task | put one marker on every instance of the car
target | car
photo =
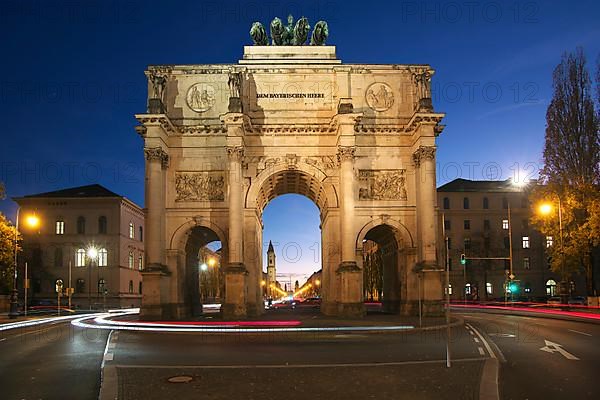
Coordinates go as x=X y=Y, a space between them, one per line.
x=577 y=301
x=554 y=300
x=284 y=304
x=312 y=302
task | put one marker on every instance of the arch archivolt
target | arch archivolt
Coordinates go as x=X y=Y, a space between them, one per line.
x=300 y=178
x=182 y=232
x=403 y=235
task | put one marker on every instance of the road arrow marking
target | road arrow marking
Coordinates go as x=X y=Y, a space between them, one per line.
x=552 y=347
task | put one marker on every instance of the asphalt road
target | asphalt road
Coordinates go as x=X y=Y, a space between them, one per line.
x=540 y=358
x=52 y=361
x=567 y=367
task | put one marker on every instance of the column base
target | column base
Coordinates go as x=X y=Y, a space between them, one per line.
x=255 y=310
x=430 y=308
x=351 y=310
x=329 y=308
x=235 y=291
x=164 y=312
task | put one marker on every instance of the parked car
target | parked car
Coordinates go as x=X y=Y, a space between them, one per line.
x=554 y=300
x=578 y=301
x=312 y=302
x=285 y=304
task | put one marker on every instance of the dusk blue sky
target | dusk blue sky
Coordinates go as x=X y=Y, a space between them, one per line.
x=72 y=79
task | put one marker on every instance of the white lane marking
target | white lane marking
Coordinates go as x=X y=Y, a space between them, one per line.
x=476 y=340
x=485 y=343
x=107 y=356
x=481 y=350
x=552 y=347
x=505 y=335
x=349 y=336
x=280 y=366
x=582 y=333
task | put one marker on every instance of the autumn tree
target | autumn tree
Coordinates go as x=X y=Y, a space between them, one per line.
x=7 y=248
x=570 y=176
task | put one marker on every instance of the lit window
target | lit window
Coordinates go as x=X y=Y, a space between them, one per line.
x=102 y=258
x=526 y=263
x=131 y=231
x=504 y=224
x=468 y=288
x=140 y=262
x=549 y=241
x=550 y=287
x=80 y=258
x=525 y=242
x=449 y=290
x=488 y=288
x=130 y=260
x=60 y=227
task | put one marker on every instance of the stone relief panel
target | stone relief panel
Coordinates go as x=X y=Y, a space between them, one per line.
x=379 y=96
x=200 y=186
x=324 y=163
x=201 y=97
x=382 y=184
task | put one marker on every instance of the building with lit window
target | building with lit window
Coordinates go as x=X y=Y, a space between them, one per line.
x=477 y=223
x=91 y=234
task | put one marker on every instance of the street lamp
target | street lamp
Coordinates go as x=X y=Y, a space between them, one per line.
x=92 y=254
x=32 y=221
x=546 y=209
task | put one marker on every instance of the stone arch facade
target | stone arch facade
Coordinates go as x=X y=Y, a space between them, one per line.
x=357 y=139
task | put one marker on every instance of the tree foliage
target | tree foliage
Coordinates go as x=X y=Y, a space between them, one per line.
x=571 y=172
x=7 y=248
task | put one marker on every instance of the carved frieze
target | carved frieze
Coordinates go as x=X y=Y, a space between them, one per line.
x=424 y=153
x=200 y=186
x=382 y=184
x=324 y=163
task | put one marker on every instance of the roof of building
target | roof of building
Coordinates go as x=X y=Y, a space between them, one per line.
x=466 y=185
x=95 y=190
x=270 y=250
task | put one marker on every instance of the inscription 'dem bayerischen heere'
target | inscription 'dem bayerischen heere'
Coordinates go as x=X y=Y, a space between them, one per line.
x=290 y=95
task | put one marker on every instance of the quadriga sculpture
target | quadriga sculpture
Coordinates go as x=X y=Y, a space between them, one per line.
x=258 y=34
x=319 y=34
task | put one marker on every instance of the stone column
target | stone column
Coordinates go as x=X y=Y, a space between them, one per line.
x=350 y=291
x=424 y=159
x=235 y=272
x=155 y=274
x=156 y=161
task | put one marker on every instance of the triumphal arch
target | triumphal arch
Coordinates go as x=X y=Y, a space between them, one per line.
x=222 y=140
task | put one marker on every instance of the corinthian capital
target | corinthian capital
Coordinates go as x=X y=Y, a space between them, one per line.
x=346 y=153
x=235 y=153
x=157 y=154
x=424 y=153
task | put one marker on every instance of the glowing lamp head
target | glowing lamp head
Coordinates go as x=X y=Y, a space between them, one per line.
x=212 y=262
x=546 y=208
x=263 y=283
x=317 y=282
x=92 y=252
x=203 y=266
x=32 y=221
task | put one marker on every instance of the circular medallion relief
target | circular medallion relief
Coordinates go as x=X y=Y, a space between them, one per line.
x=200 y=97
x=379 y=96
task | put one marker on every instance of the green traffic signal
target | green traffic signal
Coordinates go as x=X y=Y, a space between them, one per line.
x=463 y=259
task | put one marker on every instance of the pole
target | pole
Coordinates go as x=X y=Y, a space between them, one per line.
x=70 y=287
x=26 y=286
x=447 y=262
x=420 y=306
x=14 y=296
x=510 y=252
x=90 y=283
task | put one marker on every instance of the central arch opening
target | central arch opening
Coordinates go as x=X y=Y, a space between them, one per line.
x=291 y=205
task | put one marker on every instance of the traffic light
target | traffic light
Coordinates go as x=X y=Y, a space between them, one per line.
x=463 y=259
x=513 y=287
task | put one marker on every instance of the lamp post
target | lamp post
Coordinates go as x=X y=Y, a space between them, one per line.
x=92 y=254
x=32 y=221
